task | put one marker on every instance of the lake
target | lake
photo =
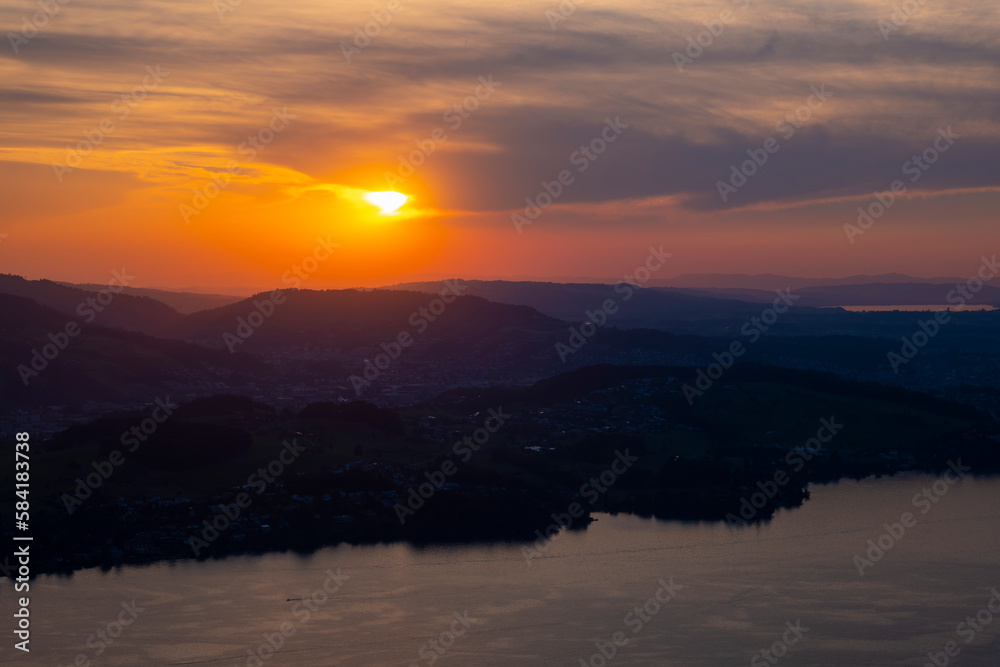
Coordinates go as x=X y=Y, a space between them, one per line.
x=791 y=587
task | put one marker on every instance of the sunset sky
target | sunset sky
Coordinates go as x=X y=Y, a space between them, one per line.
x=171 y=93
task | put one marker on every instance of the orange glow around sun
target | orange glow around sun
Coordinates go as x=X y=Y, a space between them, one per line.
x=223 y=176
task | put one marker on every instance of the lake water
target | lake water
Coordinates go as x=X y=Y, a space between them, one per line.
x=734 y=592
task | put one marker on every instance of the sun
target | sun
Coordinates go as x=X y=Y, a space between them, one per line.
x=387 y=201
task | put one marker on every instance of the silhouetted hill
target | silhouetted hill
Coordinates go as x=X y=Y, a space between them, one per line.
x=868 y=294
x=578 y=383
x=355 y=412
x=684 y=461
x=354 y=318
x=225 y=405
x=132 y=313
x=637 y=307
x=183 y=302
x=769 y=282
x=99 y=363
x=176 y=445
x=875 y=294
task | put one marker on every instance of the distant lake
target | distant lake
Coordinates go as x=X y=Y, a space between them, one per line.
x=861 y=309
x=739 y=588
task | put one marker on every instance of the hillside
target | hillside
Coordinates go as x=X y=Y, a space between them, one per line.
x=98 y=364
x=123 y=310
x=637 y=307
x=183 y=302
x=355 y=318
x=770 y=282
x=866 y=294
x=359 y=463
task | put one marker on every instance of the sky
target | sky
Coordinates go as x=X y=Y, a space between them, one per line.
x=219 y=143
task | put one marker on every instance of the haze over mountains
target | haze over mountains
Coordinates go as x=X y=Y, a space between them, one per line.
x=193 y=299
x=558 y=299
x=500 y=331
x=564 y=300
x=864 y=294
x=770 y=281
x=485 y=309
x=180 y=300
x=636 y=307
x=349 y=318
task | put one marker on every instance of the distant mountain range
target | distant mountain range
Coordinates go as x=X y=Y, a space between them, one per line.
x=99 y=363
x=181 y=301
x=481 y=310
x=771 y=282
x=351 y=318
x=633 y=306
x=866 y=294
x=122 y=310
x=141 y=308
x=493 y=332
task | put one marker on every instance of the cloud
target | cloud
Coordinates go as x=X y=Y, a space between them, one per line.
x=605 y=59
